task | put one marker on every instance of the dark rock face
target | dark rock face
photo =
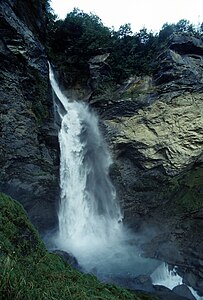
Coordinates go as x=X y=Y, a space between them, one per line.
x=181 y=65
x=29 y=146
x=165 y=294
x=187 y=45
x=184 y=291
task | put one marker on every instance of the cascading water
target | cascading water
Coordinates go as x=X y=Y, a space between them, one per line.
x=164 y=276
x=90 y=224
x=170 y=278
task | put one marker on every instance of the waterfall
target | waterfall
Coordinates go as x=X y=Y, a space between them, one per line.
x=164 y=276
x=90 y=219
x=170 y=278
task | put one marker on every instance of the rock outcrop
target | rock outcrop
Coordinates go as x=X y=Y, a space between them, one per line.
x=28 y=138
x=154 y=126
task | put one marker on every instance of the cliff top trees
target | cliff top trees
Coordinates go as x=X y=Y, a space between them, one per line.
x=81 y=36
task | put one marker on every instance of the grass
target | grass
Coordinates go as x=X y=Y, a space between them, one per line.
x=28 y=271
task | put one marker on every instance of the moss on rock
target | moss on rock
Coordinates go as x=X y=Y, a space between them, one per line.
x=28 y=271
x=190 y=197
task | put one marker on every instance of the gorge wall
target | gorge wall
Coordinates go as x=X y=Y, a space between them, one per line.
x=29 y=146
x=153 y=125
x=155 y=131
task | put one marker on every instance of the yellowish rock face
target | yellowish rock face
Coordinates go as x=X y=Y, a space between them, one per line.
x=166 y=133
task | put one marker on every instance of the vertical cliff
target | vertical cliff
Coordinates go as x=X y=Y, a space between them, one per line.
x=154 y=127
x=28 y=138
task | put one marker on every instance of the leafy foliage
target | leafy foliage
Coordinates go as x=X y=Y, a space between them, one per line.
x=81 y=36
x=131 y=54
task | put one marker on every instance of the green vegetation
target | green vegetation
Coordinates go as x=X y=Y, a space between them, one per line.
x=80 y=36
x=190 y=198
x=28 y=271
x=184 y=192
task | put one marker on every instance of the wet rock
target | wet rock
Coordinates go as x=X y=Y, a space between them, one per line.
x=184 y=291
x=164 y=293
x=144 y=282
x=192 y=278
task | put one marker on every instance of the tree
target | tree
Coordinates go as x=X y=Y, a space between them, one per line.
x=184 y=26
x=80 y=34
x=124 y=30
x=166 y=30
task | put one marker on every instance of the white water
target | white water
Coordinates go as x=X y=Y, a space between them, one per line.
x=195 y=294
x=163 y=276
x=90 y=220
x=170 y=278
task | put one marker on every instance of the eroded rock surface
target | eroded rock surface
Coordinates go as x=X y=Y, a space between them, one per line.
x=28 y=138
x=154 y=126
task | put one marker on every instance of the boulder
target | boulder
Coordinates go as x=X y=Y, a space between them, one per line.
x=164 y=293
x=143 y=282
x=184 y=291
